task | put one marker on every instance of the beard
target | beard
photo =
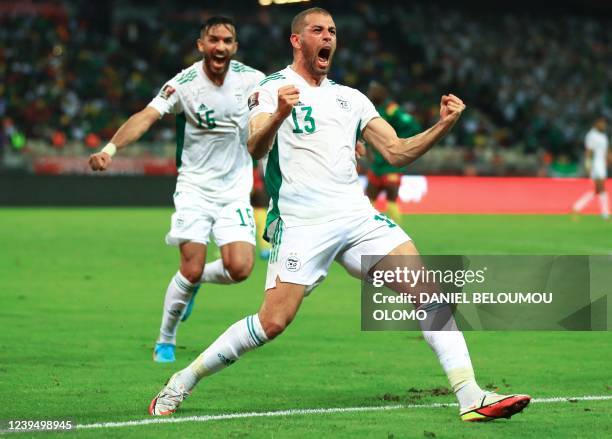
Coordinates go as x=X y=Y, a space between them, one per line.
x=318 y=65
x=215 y=67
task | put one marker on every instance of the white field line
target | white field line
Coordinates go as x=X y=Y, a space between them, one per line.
x=319 y=411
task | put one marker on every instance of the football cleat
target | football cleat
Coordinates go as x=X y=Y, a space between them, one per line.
x=189 y=307
x=169 y=399
x=493 y=406
x=164 y=353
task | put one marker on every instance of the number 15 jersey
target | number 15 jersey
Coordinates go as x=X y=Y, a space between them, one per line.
x=310 y=172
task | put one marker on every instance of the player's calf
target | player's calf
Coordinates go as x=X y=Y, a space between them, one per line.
x=280 y=306
x=178 y=295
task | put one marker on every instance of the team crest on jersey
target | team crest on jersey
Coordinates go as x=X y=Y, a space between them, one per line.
x=343 y=103
x=166 y=91
x=253 y=100
x=292 y=263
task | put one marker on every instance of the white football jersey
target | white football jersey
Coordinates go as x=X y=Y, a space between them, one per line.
x=597 y=142
x=310 y=172
x=211 y=130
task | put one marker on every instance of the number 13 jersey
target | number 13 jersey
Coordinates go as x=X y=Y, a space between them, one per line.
x=310 y=172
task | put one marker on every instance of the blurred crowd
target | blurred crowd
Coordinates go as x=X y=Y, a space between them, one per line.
x=72 y=72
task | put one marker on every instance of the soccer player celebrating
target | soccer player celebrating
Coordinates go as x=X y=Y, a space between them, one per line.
x=596 y=162
x=214 y=181
x=383 y=176
x=304 y=126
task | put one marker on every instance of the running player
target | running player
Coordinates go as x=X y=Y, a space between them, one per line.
x=596 y=162
x=305 y=126
x=209 y=100
x=382 y=176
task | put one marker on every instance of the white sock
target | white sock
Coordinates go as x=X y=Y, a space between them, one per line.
x=243 y=336
x=215 y=273
x=452 y=352
x=177 y=297
x=604 y=204
x=583 y=201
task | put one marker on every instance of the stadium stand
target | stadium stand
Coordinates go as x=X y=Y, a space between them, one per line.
x=74 y=71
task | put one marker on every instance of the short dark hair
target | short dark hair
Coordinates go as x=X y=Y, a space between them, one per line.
x=217 y=20
x=297 y=24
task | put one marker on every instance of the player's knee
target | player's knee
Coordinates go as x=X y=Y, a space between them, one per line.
x=239 y=270
x=192 y=272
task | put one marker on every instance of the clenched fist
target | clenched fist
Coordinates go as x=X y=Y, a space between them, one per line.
x=288 y=96
x=99 y=161
x=451 y=108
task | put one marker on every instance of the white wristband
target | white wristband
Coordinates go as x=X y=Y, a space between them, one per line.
x=110 y=149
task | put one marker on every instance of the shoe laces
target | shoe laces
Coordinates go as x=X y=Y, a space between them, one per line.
x=173 y=394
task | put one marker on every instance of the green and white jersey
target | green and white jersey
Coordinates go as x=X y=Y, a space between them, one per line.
x=310 y=172
x=211 y=130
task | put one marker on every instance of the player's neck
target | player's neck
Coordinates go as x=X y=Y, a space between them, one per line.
x=310 y=78
x=215 y=79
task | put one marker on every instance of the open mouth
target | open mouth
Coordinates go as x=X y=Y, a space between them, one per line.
x=218 y=60
x=323 y=56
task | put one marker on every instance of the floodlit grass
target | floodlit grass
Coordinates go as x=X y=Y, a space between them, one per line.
x=82 y=289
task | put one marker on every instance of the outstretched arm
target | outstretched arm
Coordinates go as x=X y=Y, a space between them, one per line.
x=138 y=124
x=401 y=152
x=264 y=126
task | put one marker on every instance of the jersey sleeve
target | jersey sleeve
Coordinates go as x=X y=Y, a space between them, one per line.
x=167 y=100
x=365 y=110
x=263 y=99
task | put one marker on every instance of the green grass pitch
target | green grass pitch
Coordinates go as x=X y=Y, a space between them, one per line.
x=81 y=293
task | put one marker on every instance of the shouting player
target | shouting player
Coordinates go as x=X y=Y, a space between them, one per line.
x=596 y=162
x=382 y=176
x=305 y=126
x=214 y=181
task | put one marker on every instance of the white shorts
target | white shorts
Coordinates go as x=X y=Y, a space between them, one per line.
x=302 y=254
x=599 y=171
x=196 y=218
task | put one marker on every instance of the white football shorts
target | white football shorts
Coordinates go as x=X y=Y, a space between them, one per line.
x=302 y=254
x=196 y=218
x=599 y=171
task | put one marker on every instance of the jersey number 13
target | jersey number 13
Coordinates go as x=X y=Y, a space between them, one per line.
x=308 y=123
